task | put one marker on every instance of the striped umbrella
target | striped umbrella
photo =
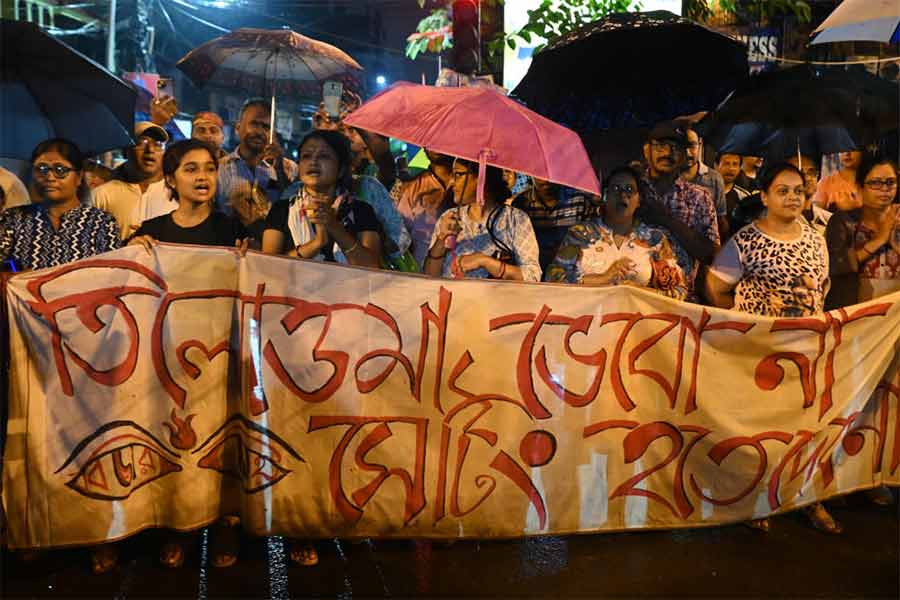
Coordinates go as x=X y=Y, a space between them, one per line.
x=270 y=62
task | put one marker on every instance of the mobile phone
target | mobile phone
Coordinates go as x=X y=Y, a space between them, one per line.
x=165 y=87
x=331 y=98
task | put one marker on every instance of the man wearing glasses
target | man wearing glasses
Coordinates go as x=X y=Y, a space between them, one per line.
x=138 y=191
x=685 y=209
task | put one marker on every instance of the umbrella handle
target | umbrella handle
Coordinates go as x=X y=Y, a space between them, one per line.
x=483 y=156
x=272 y=120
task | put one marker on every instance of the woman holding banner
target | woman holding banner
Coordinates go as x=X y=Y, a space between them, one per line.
x=190 y=169
x=61 y=227
x=776 y=266
x=482 y=241
x=864 y=249
x=618 y=249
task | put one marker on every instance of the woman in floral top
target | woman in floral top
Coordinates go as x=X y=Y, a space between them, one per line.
x=490 y=241
x=864 y=244
x=619 y=249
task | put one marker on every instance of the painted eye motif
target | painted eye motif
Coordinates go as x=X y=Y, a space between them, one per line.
x=116 y=460
x=248 y=452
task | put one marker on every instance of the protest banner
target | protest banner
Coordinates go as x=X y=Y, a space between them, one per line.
x=320 y=400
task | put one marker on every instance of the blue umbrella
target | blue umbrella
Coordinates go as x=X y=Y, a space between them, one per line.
x=50 y=90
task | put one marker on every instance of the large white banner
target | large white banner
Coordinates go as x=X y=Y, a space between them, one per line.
x=321 y=400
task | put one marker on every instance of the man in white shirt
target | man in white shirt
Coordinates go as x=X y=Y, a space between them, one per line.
x=138 y=193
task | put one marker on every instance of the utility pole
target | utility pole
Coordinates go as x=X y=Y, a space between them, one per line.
x=111 y=38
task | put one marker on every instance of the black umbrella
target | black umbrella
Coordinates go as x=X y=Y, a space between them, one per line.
x=804 y=98
x=50 y=90
x=633 y=70
x=758 y=139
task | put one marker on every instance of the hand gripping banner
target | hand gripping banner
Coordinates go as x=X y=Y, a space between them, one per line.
x=319 y=400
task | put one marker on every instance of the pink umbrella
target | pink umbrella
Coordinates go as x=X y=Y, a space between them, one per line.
x=479 y=124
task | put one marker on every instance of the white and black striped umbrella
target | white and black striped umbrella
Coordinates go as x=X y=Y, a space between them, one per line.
x=267 y=62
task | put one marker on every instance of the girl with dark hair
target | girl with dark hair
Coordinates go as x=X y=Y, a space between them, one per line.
x=864 y=244
x=618 y=249
x=492 y=241
x=190 y=168
x=60 y=228
x=318 y=218
x=776 y=267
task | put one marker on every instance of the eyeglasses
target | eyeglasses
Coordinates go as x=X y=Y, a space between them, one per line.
x=146 y=144
x=663 y=144
x=881 y=184
x=59 y=171
x=623 y=190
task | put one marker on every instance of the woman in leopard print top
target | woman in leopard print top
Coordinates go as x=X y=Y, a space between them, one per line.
x=776 y=267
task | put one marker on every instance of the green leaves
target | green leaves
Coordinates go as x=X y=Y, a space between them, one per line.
x=433 y=34
x=748 y=10
x=549 y=21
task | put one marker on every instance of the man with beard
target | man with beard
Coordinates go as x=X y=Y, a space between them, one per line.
x=252 y=177
x=729 y=167
x=138 y=192
x=667 y=200
x=698 y=173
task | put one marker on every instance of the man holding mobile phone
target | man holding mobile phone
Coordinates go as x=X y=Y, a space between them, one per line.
x=252 y=177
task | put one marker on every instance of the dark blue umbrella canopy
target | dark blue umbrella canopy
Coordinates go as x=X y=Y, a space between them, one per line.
x=48 y=90
x=631 y=70
x=807 y=101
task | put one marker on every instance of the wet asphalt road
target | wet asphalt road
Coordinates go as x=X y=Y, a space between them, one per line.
x=792 y=560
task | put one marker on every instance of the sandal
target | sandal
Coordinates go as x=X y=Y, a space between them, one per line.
x=303 y=553
x=172 y=553
x=822 y=520
x=104 y=558
x=224 y=545
x=880 y=496
x=759 y=524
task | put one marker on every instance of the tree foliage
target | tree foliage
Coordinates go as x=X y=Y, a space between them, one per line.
x=556 y=18
x=753 y=11
x=433 y=34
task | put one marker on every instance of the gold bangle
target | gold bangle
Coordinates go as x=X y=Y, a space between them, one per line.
x=352 y=248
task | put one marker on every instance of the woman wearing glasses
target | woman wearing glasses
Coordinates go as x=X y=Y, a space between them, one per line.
x=864 y=248
x=618 y=249
x=61 y=228
x=482 y=241
x=864 y=244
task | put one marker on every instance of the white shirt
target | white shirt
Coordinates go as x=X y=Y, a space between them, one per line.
x=14 y=190
x=130 y=206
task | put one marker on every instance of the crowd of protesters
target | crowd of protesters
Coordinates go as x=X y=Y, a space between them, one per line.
x=766 y=237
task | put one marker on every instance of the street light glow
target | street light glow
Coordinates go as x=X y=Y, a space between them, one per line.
x=381 y=80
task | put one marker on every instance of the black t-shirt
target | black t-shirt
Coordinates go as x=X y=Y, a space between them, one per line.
x=217 y=230
x=356 y=216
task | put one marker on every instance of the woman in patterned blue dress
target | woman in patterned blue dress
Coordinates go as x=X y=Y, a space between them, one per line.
x=60 y=228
